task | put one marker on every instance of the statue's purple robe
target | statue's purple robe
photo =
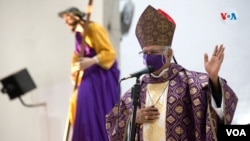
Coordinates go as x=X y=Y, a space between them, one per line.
x=97 y=94
x=192 y=91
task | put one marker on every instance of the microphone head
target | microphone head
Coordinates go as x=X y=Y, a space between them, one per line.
x=148 y=69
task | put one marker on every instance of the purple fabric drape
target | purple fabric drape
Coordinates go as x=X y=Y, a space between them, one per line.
x=97 y=94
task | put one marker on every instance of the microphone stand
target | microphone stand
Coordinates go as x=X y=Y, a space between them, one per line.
x=135 y=96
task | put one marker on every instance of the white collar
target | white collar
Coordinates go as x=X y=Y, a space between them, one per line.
x=158 y=76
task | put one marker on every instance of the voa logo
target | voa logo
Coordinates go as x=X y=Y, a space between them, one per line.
x=229 y=16
x=236 y=132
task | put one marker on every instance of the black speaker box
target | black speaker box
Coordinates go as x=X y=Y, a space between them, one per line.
x=18 y=84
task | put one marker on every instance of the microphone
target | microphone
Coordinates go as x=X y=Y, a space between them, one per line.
x=148 y=69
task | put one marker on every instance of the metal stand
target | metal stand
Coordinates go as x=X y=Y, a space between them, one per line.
x=135 y=96
x=31 y=105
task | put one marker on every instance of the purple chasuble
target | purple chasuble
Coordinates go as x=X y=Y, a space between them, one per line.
x=189 y=114
x=97 y=94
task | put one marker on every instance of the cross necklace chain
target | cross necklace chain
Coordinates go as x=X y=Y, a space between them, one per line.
x=151 y=99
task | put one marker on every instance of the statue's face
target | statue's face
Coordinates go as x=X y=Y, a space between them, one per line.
x=71 y=21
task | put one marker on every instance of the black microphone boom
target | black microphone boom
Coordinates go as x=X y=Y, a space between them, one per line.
x=148 y=69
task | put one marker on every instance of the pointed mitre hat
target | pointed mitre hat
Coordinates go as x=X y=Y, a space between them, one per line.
x=155 y=27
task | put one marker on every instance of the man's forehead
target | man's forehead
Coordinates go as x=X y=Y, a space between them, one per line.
x=153 y=47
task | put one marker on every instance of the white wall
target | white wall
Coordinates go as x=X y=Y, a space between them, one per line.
x=199 y=28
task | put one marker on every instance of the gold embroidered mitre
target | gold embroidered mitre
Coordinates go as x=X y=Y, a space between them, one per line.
x=155 y=27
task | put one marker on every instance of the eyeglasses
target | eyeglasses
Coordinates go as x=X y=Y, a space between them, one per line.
x=152 y=52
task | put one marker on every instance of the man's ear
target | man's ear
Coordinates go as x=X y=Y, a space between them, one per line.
x=169 y=53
